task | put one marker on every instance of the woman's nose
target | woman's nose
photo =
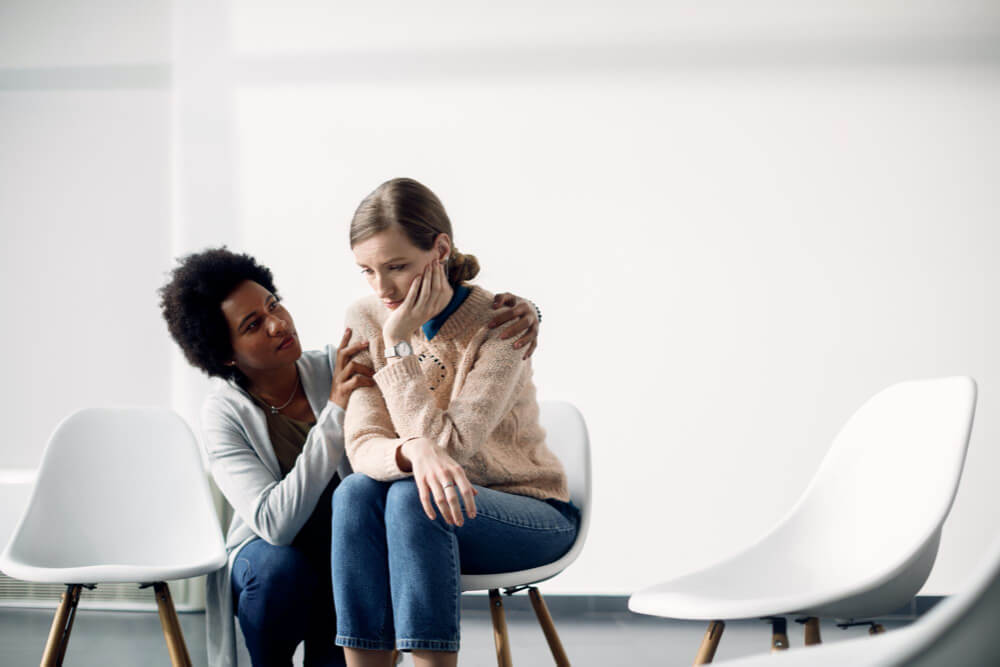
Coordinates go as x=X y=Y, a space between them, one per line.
x=277 y=326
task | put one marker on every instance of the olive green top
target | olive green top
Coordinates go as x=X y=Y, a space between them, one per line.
x=288 y=436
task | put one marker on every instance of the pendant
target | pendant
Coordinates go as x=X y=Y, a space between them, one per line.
x=274 y=410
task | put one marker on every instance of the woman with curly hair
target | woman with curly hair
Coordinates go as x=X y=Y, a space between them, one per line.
x=452 y=474
x=273 y=433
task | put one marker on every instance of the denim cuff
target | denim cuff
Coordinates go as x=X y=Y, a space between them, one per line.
x=371 y=644
x=424 y=645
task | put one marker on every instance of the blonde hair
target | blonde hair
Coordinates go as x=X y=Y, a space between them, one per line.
x=421 y=216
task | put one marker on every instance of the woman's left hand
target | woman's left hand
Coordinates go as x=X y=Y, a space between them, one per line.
x=526 y=321
x=438 y=478
x=428 y=296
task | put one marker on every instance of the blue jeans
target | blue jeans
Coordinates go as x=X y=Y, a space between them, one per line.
x=397 y=574
x=282 y=595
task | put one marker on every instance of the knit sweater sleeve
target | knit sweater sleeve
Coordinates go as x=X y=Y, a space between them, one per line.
x=369 y=434
x=488 y=393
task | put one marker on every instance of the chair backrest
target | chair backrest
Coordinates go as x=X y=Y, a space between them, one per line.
x=122 y=486
x=566 y=435
x=888 y=481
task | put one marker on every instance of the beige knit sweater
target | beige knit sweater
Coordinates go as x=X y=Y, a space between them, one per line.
x=466 y=389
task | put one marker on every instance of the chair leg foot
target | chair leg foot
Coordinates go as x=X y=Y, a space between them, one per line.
x=171 y=626
x=500 y=629
x=779 y=634
x=709 y=643
x=62 y=624
x=548 y=627
x=812 y=631
x=876 y=629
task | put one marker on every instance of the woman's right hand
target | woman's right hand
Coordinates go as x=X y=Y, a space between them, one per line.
x=348 y=374
x=438 y=476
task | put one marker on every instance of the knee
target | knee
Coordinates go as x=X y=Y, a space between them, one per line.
x=404 y=511
x=356 y=500
x=281 y=579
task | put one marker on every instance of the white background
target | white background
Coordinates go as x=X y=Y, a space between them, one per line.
x=740 y=219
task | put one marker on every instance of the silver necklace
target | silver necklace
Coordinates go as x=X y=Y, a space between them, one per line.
x=275 y=409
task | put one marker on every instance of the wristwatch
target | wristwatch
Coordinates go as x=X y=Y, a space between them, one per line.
x=400 y=349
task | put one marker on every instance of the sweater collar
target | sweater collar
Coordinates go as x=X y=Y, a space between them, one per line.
x=433 y=325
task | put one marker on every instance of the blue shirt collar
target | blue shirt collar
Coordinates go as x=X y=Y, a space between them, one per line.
x=432 y=326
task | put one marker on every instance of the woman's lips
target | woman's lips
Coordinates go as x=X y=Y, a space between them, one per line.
x=286 y=342
x=392 y=305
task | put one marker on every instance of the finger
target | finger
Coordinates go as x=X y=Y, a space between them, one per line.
x=425 y=498
x=505 y=316
x=430 y=295
x=348 y=352
x=454 y=504
x=531 y=350
x=468 y=494
x=504 y=299
x=359 y=381
x=530 y=334
x=442 y=504
x=345 y=339
x=356 y=368
x=443 y=288
x=414 y=291
x=515 y=329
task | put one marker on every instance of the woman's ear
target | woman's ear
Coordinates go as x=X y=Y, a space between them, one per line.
x=442 y=246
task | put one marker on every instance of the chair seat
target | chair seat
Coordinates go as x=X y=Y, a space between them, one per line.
x=765 y=581
x=482 y=582
x=113 y=573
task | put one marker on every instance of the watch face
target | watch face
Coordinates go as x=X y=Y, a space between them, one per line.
x=403 y=348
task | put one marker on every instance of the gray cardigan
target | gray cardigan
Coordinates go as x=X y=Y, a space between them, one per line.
x=244 y=467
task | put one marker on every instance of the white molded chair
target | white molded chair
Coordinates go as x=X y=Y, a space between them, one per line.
x=121 y=496
x=566 y=436
x=15 y=488
x=861 y=540
x=959 y=632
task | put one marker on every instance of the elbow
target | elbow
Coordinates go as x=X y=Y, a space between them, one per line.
x=277 y=533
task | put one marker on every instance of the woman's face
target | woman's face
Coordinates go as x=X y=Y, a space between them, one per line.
x=261 y=330
x=390 y=262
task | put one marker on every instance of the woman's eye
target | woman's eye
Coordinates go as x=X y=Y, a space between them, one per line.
x=397 y=267
x=253 y=325
x=366 y=271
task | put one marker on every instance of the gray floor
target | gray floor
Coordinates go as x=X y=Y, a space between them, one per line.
x=134 y=639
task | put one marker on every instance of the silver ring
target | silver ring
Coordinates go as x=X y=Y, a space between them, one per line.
x=447 y=484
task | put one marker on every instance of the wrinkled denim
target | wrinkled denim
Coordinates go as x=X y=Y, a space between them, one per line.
x=282 y=594
x=397 y=574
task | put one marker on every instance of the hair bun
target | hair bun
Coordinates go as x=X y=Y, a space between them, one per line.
x=462 y=267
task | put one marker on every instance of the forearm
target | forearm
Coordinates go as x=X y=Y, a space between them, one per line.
x=274 y=508
x=487 y=395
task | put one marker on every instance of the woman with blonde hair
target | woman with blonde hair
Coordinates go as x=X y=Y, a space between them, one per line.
x=452 y=474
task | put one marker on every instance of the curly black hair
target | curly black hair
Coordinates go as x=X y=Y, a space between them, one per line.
x=191 y=303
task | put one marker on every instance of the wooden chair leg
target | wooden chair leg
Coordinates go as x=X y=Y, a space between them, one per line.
x=62 y=624
x=548 y=627
x=709 y=643
x=500 y=629
x=876 y=629
x=779 y=634
x=812 y=631
x=171 y=626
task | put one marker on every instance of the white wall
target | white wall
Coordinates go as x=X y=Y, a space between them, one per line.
x=791 y=203
x=740 y=224
x=84 y=212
